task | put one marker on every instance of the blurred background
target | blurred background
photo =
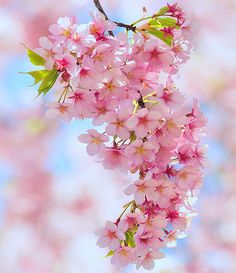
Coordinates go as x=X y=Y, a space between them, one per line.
x=53 y=196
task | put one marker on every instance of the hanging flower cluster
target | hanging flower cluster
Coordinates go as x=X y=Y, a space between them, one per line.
x=124 y=82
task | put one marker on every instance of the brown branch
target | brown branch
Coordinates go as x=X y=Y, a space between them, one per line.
x=140 y=101
x=128 y=27
x=100 y=8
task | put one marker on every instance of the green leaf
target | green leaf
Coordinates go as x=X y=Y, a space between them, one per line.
x=130 y=239
x=38 y=75
x=46 y=77
x=110 y=253
x=34 y=57
x=48 y=82
x=132 y=136
x=168 y=39
x=168 y=22
x=155 y=24
x=163 y=11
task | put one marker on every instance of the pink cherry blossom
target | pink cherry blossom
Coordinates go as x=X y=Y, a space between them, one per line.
x=185 y=154
x=113 y=85
x=186 y=177
x=157 y=222
x=83 y=102
x=123 y=256
x=85 y=78
x=126 y=83
x=117 y=125
x=135 y=73
x=169 y=96
x=163 y=192
x=115 y=158
x=173 y=123
x=66 y=62
x=157 y=55
x=95 y=141
x=80 y=38
x=146 y=238
x=146 y=260
x=131 y=220
x=141 y=189
x=63 y=27
x=110 y=236
x=48 y=51
x=100 y=57
x=140 y=151
x=101 y=109
x=144 y=122
x=99 y=25
x=62 y=110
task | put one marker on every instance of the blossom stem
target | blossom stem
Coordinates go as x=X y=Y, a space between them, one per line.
x=153 y=105
x=142 y=19
x=62 y=94
x=126 y=207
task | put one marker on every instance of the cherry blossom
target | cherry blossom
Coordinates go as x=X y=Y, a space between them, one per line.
x=140 y=151
x=117 y=124
x=141 y=189
x=125 y=84
x=146 y=260
x=63 y=110
x=123 y=256
x=144 y=121
x=95 y=141
x=110 y=236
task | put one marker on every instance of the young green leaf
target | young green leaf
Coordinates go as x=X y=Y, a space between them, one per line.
x=110 y=253
x=48 y=82
x=168 y=39
x=38 y=75
x=130 y=239
x=168 y=22
x=155 y=23
x=35 y=59
x=162 y=11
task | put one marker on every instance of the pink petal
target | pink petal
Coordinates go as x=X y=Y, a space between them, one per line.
x=103 y=242
x=85 y=138
x=114 y=244
x=132 y=122
x=111 y=226
x=131 y=189
x=139 y=198
x=45 y=43
x=93 y=149
x=111 y=130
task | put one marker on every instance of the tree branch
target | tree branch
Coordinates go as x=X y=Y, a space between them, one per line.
x=140 y=101
x=100 y=8
x=128 y=27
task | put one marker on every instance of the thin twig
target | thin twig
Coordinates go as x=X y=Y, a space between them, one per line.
x=100 y=8
x=140 y=101
x=126 y=26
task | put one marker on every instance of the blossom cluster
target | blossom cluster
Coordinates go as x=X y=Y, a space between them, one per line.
x=124 y=83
